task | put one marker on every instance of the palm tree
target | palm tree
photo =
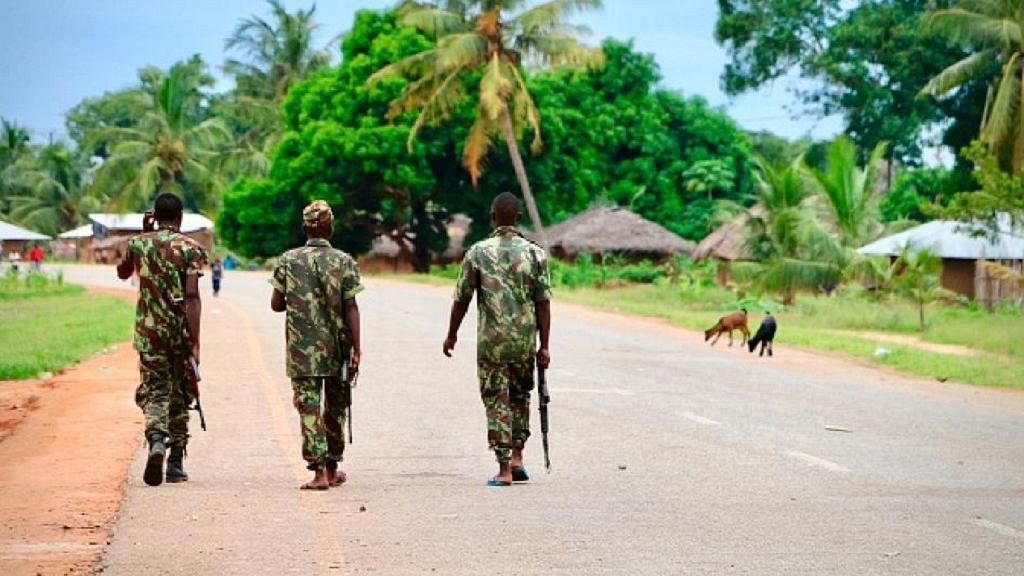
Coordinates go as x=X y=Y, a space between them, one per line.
x=277 y=53
x=13 y=142
x=795 y=251
x=50 y=193
x=918 y=277
x=849 y=193
x=993 y=30
x=169 y=149
x=487 y=37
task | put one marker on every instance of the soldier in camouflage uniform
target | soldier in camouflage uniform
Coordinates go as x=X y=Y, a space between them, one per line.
x=169 y=265
x=509 y=275
x=317 y=286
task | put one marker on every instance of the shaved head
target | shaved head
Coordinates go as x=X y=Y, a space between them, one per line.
x=505 y=209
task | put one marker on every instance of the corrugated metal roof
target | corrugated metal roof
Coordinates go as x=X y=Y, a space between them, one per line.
x=83 y=231
x=189 y=222
x=952 y=239
x=12 y=232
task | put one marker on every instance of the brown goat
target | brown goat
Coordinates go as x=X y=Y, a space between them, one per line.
x=728 y=323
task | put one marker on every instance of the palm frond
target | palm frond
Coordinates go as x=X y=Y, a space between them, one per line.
x=495 y=89
x=478 y=144
x=435 y=22
x=959 y=73
x=973 y=29
x=1000 y=122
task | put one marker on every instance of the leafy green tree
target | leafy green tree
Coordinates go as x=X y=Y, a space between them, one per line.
x=709 y=176
x=170 y=148
x=611 y=135
x=13 y=145
x=1000 y=193
x=867 y=61
x=850 y=194
x=486 y=40
x=992 y=32
x=93 y=117
x=49 y=193
x=338 y=146
x=913 y=190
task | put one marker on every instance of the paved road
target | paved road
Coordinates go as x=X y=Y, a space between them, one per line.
x=669 y=458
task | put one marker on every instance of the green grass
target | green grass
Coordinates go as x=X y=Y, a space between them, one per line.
x=812 y=323
x=47 y=331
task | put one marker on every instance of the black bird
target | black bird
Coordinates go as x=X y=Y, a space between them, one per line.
x=765 y=335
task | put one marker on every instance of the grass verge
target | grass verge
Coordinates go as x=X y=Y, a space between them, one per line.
x=49 y=331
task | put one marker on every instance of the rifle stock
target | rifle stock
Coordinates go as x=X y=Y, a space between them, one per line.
x=192 y=378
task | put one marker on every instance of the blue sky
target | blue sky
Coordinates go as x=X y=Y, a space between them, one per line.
x=54 y=53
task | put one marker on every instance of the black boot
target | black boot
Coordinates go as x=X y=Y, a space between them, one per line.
x=176 y=466
x=154 y=473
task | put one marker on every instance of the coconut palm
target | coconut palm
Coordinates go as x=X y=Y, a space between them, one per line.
x=13 y=142
x=275 y=53
x=489 y=40
x=993 y=31
x=848 y=194
x=794 y=251
x=50 y=195
x=919 y=277
x=169 y=149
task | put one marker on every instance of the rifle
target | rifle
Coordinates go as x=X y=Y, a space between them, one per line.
x=545 y=398
x=347 y=382
x=191 y=385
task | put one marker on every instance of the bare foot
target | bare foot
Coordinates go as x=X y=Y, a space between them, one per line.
x=319 y=482
x=517 y=458
x=336 y=477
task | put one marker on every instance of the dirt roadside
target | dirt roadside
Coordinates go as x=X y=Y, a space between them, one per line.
x=64 y=453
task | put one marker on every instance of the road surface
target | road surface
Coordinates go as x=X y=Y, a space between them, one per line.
x=669 y=458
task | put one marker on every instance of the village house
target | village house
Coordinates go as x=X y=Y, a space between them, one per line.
x=104 y=239
x=16 y=240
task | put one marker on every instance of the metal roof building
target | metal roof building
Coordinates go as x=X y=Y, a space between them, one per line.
x=17 y=233
x=954 y=240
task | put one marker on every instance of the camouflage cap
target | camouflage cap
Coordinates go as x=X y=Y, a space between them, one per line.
x=317 y=212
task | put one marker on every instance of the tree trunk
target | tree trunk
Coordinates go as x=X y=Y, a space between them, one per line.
x=508 y=131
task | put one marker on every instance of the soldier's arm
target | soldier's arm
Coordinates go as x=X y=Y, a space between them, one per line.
x=351 y=315
x=193 y=310
x=464 y=288
x=543 y=308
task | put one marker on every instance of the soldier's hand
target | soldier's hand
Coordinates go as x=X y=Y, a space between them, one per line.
x=543 y=358
x=449 y=346
x=149 y=221
x=195 y=353
x=357 y=356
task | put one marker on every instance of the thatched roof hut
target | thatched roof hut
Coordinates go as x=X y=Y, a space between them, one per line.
x=613 y=229
x=728 y=242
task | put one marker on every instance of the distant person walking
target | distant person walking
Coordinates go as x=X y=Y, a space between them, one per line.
x=35 y=257
x=509 y=275
x=169 y=265
x=317 y=285
x=217 y=272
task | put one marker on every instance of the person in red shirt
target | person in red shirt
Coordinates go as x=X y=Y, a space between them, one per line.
x=35 y=256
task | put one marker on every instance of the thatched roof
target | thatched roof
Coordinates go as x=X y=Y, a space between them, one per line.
x=614 y=229
x=728 y=242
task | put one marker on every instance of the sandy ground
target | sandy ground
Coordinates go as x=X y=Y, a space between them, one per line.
x=62 y=470
x=670 y=458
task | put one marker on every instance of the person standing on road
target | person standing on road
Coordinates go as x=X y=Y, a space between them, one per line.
x=168 y=265
x=317 y=285
x=35 y=256
x=509 y=275
x=217 y=272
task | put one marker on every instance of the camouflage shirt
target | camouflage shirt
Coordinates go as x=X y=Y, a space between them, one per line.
x=315 y=279
x=162 y=259
x=509 y=274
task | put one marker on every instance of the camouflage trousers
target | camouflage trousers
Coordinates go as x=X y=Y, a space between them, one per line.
x=505 y=390
x=322 y=428
x=162 y=397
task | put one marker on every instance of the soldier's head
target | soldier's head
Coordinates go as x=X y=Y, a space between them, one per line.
x=167 y=208
x=318 y=220
x=505 y=210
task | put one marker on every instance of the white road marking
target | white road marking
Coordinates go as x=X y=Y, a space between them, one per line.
x=617 y=391
x=998 y=528
x=700 y=419
x=815 y=461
